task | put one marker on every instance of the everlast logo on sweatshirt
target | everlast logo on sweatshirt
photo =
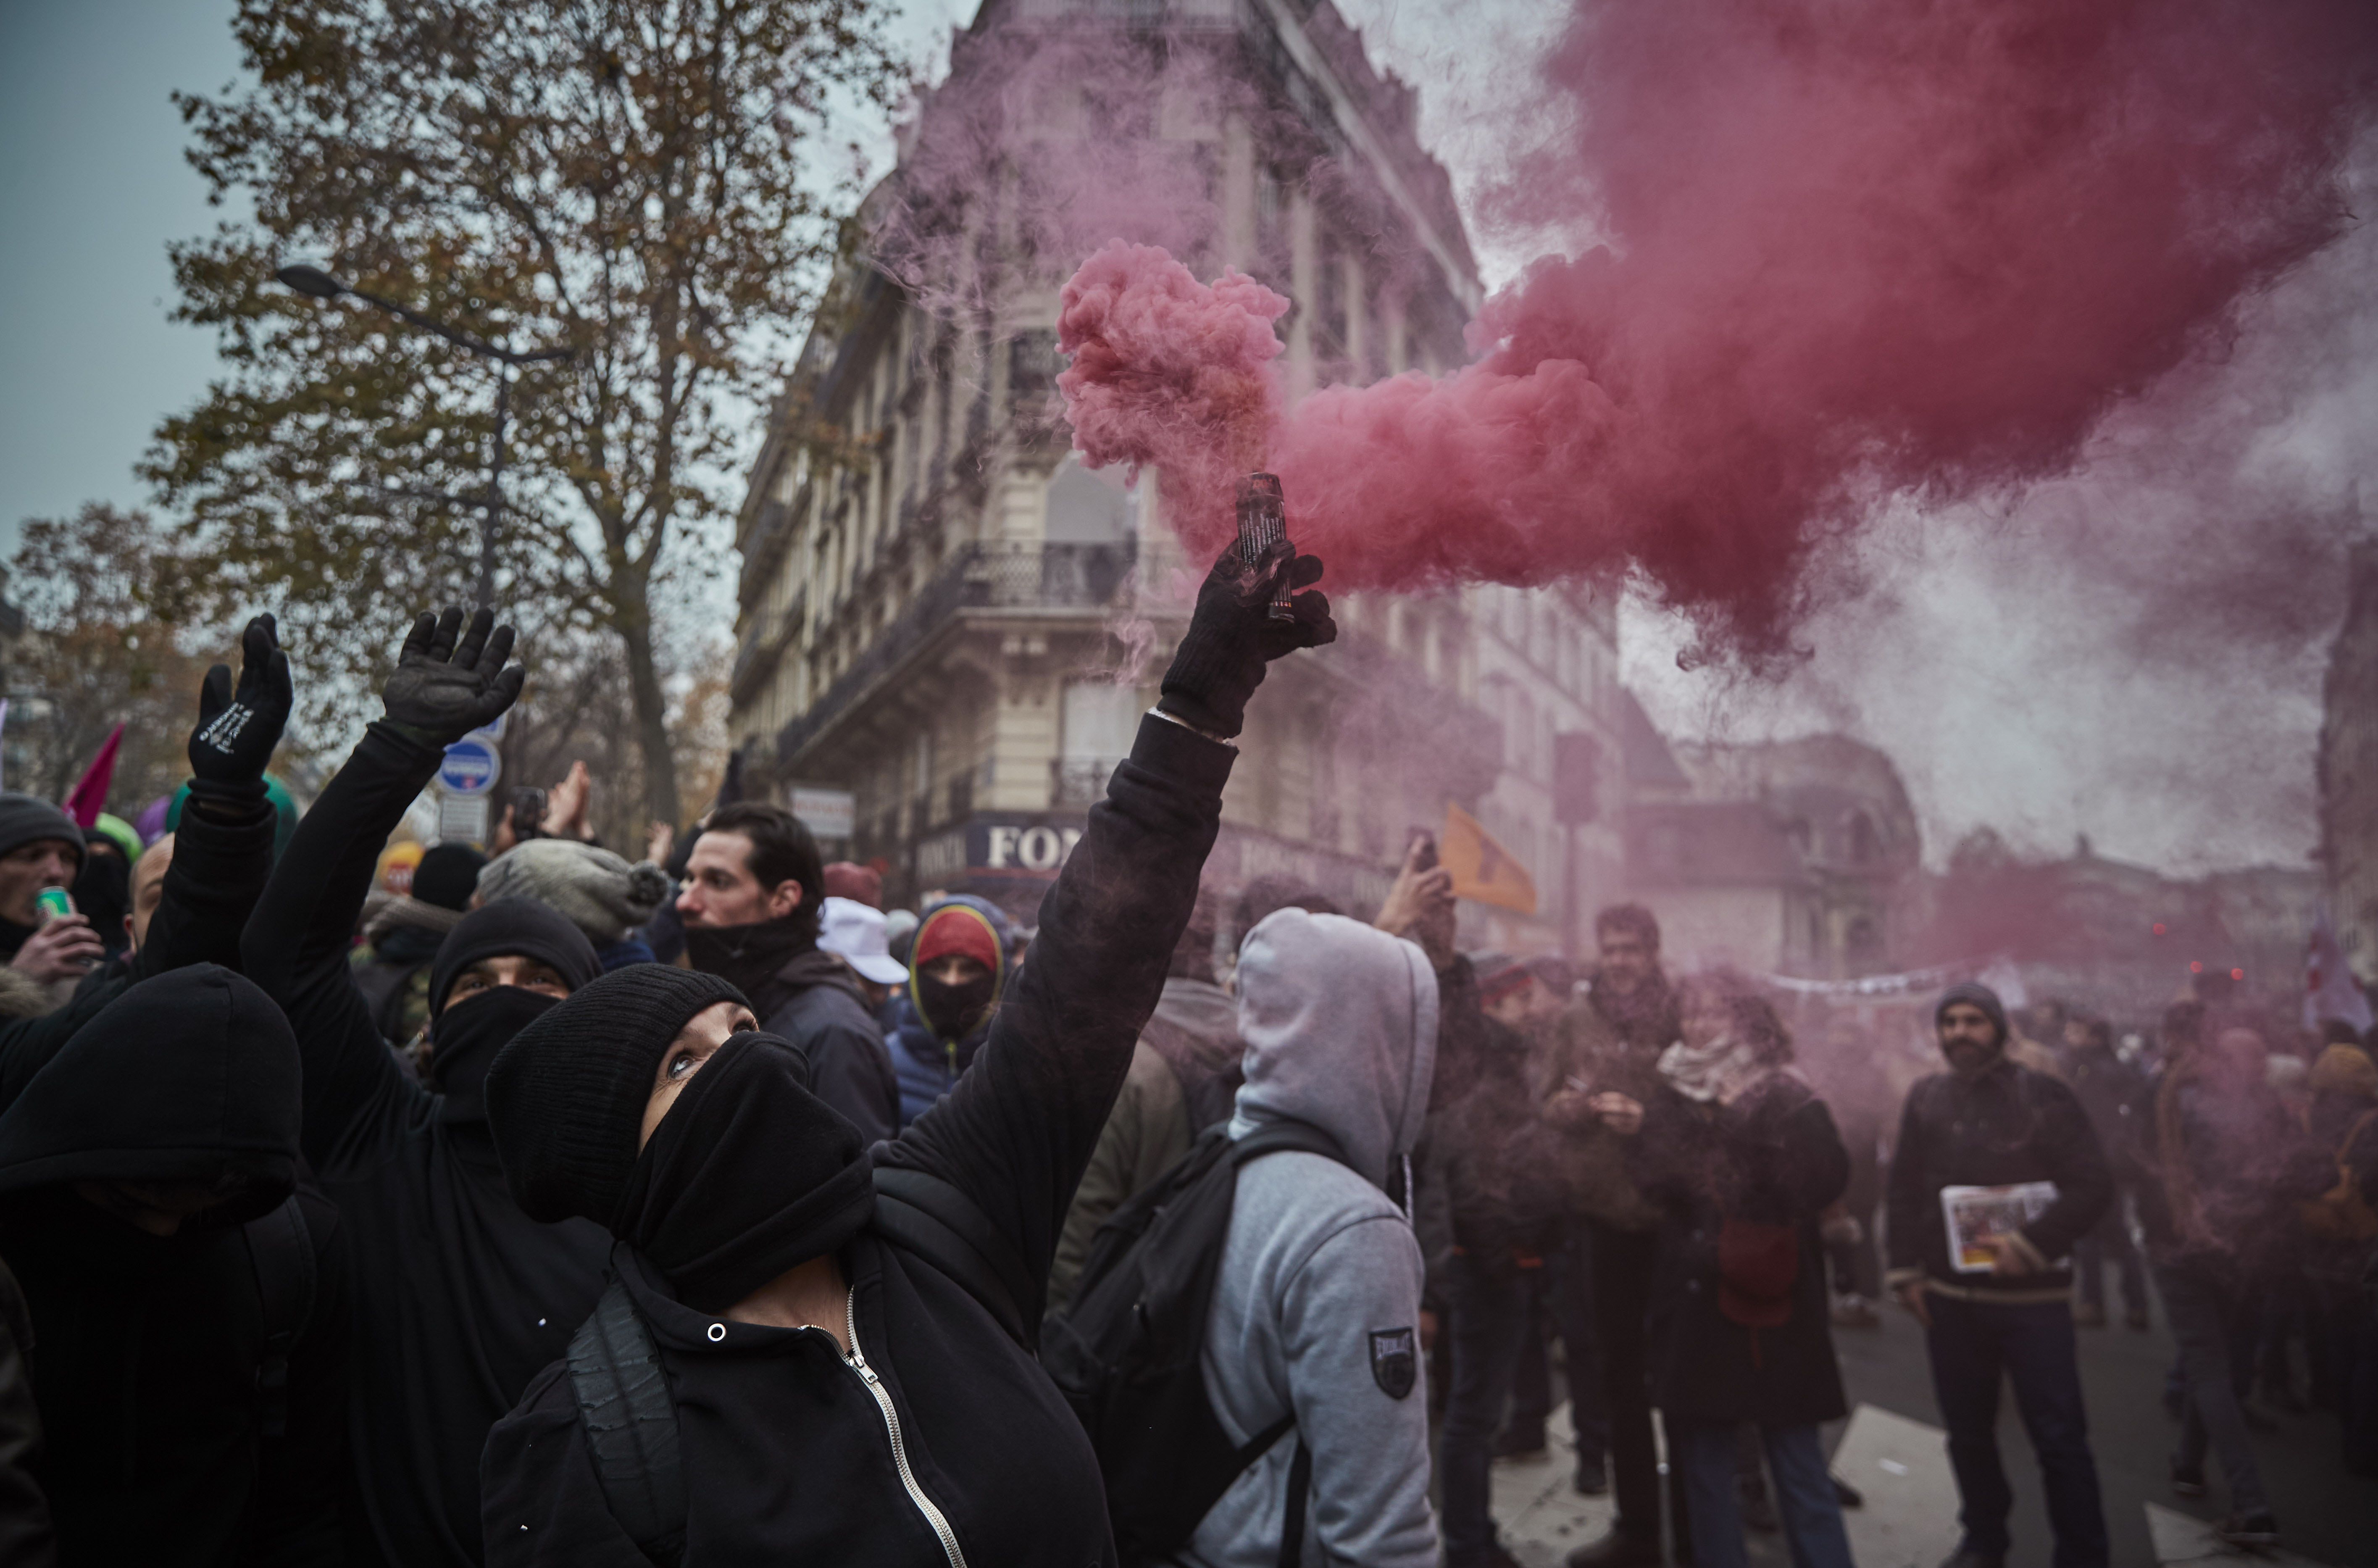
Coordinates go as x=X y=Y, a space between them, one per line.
x=1395 y=1361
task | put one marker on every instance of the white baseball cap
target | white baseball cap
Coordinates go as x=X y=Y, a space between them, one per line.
x=853 y=932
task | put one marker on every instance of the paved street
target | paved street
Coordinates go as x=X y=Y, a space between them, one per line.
x=1891 y=1450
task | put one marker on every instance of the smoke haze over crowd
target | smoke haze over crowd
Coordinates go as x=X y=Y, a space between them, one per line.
x=1875 y=283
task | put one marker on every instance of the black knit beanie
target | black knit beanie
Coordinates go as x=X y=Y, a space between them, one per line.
x=1974 y=993
x=566 y=1097
x=448 y=875
x=510 y=928
x=24 y=820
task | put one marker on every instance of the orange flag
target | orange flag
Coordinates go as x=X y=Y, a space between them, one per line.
x=1482 y=868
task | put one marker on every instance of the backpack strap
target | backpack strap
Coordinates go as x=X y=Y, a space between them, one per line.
x=280 y=1251
x=630 y=1424
x=1300 y=1487
x=930 y=1217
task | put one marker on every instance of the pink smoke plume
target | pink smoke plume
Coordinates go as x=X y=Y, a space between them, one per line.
x=1171 y=375
x=1857 y=249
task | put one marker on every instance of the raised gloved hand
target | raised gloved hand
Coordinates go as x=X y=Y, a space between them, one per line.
x=1232 y=636
x=239 y=728
x=451 y=680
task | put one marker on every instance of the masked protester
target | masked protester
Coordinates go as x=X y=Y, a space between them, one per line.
x=461 y=1298
x=1995 y=1300
x=837 y=1390
x=186 y=1312
x=753 y=897
x=957 y=971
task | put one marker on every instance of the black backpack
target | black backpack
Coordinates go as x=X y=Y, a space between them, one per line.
x=280 y=1251
x=1127 y=1353
x=622 y=1390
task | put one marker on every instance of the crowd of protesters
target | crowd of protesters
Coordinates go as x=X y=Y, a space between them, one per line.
x=565 y=1209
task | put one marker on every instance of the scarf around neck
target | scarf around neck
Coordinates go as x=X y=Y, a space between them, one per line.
x=748 y=957
x=1720 y=1072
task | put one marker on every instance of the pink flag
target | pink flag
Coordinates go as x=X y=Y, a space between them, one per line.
x=88 y=797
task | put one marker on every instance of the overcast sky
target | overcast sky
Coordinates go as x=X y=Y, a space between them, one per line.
x=2075 y=662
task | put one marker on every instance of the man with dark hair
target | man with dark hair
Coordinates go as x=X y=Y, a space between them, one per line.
x=1995 y=1301
x=753 y=886
x=1613 y=1045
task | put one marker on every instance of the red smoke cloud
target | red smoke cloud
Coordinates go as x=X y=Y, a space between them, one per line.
x=1171 y=375
x=1856 y=248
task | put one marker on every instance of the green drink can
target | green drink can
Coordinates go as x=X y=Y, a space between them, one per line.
x=51 y=902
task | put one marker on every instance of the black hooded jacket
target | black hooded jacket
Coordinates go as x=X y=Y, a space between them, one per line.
x=167 y=1440
x=460 y=1297
x=787 y=1456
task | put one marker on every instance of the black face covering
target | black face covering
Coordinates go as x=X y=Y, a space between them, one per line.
x=465 y=1038
x=747 y=1176
x=746 y=957
x=952 y=1011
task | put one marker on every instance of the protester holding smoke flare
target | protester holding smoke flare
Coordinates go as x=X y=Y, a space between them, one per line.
x=838 y=1389
x=460 y=1297
x=1741 y=1158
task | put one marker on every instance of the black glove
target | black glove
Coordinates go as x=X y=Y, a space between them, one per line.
x=443 y=689
x=238 y=730
x=1232 y=637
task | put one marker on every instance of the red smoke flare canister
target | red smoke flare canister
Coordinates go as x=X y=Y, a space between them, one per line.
x=1263 y=522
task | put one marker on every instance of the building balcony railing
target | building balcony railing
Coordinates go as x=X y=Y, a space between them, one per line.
x=762 y=642
x=985 y=576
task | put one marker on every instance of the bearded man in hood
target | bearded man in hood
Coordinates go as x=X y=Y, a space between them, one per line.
x=753 y=889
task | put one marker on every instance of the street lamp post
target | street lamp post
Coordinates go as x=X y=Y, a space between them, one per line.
x=317 y=285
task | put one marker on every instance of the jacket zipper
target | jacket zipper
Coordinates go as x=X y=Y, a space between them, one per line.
x=857 y=1362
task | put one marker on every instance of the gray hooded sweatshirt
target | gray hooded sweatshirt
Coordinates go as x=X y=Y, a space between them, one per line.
x=1318 y=1306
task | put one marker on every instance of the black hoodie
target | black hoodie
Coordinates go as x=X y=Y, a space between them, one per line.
x=460 y=1297
x=788 y=1455
x=146 y=1349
